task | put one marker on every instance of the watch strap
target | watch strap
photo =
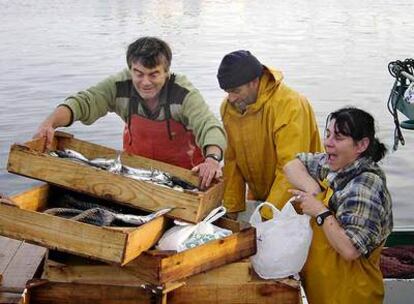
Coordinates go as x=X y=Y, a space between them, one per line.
x=320 y=218
x=214 y=156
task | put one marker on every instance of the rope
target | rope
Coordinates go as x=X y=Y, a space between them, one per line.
x=398 y=262
x=399 y=70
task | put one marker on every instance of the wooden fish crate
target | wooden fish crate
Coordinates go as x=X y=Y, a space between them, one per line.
x=30 y=160
x=160 y=267
x=232 y=283
x=25 y=221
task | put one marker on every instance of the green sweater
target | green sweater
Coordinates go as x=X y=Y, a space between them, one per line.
x=187 y=106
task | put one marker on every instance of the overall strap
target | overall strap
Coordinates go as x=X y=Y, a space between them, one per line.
x=167 y=109
x=133 y=103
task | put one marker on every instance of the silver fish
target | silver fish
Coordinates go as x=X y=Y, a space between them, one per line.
x=102 y=163
x=115 y=166
x=71 y=154
x=141 y=219
x=103 y=217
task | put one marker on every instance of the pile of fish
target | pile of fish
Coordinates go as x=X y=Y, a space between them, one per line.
x=82 y=208
x=115 y=166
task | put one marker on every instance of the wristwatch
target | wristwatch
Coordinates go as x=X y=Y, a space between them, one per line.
x=320 y=218
x=214 y=156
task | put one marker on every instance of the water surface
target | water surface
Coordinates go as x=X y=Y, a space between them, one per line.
x=334 y=52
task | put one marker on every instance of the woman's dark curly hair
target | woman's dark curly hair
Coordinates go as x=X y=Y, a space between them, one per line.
x=358 y=124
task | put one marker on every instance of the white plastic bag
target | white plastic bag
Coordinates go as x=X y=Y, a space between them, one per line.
x=184 y=235
x=282 y=242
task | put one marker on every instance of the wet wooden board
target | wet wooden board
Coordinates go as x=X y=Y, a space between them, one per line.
x=25 y=221
x=30 y=160
x=19 y=263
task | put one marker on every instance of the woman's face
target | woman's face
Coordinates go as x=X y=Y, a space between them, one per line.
x=341 y=149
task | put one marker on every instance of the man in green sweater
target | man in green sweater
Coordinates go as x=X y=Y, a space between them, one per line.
x=165 y=117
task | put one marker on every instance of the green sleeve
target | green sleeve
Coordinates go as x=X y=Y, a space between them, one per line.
x=89 y=105
x=201 y=121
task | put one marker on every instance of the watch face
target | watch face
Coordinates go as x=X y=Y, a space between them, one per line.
x=214 y=156
x=319 y=220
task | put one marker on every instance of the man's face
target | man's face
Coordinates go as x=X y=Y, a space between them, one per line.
x=148 y=81
x=243 y=95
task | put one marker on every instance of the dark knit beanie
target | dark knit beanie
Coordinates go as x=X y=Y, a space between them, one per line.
x=238 y=68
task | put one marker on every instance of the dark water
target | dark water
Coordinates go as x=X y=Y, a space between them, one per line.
x=334 y=52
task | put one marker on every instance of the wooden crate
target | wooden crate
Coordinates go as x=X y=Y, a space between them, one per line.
x=232 y=283
x=111 y=244
x=29 y=160
x=160 y=267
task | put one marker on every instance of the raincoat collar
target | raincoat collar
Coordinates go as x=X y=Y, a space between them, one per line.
x=269 y=81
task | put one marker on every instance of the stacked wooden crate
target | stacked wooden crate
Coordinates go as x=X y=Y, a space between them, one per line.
x=132 y=272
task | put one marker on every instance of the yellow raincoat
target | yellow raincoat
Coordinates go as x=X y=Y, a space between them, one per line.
x=280 y=124
x=330 y=279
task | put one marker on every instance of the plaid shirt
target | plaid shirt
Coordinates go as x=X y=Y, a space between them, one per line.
x=361 y=201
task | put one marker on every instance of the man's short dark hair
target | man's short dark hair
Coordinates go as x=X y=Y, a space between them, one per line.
x=150 y=52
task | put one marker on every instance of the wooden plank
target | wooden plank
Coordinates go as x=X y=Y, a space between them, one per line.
x=210 y=197
x=11 y=298
x=75 y=293
x=192 y=207
x=8 y=249
x=143 y=238
x=23 y=266
x=34 y=199
x=235 y=283
x=20 y=261
x=89 y=274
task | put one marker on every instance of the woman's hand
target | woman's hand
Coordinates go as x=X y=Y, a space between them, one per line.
x=308 y=203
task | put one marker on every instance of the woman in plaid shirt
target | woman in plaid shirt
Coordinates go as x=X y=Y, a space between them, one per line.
x=345 y=192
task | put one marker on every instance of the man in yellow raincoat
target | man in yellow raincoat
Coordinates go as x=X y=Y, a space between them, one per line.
x=267 y=124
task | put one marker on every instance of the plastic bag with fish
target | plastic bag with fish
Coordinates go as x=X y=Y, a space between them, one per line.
x=185 y=236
